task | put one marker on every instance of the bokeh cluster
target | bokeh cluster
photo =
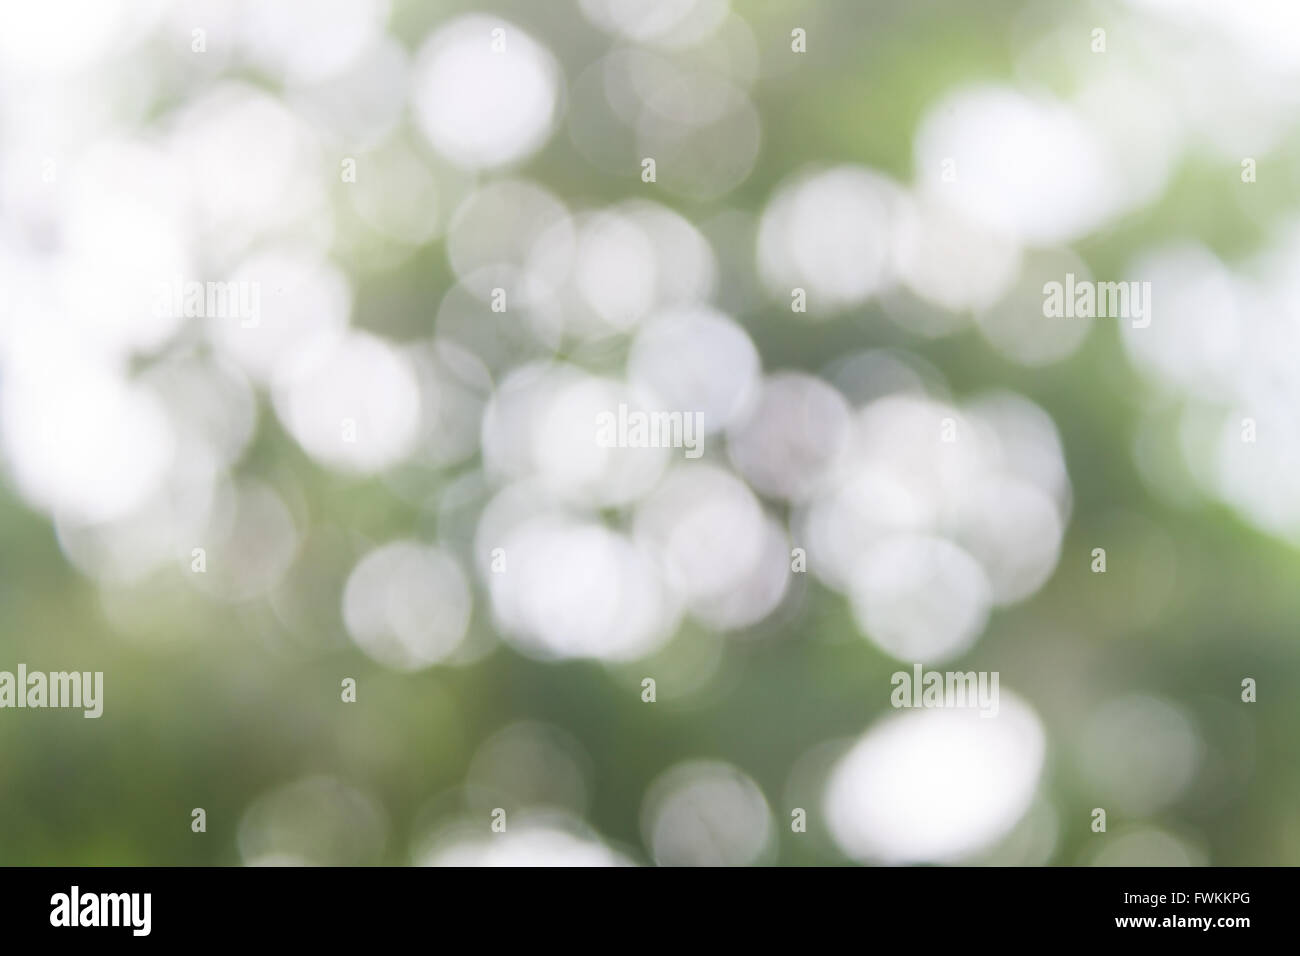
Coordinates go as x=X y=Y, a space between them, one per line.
x=836 y=258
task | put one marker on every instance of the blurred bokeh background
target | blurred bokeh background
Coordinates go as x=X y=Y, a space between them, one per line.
x=390 y=476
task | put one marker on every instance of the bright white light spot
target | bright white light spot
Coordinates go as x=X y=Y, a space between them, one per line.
x=80 y=440
x=934 y=786
x=65 y=35
x=1031 y=169
x=482 y=107
x=353 y=406
x=577 y=589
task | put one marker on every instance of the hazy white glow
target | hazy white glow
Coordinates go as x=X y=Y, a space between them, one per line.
x=452 y=394
x=670 y=23
x=514 y=414
x=1028 y=168
x=1195 y=340
x=572 y=463
x=1140 y=120
x=601 y=274
x=950 y=261
x=686 y=268
x=362 y=105
x=703 y=160
x=1032 y=842
x=1257 y=478
x=645 y=84
x=707 y=529
x=1224 y=344
x=211 y=410
x=793 y=434
x=253 y=166
x=696 y=360
x=354 y=406
x=706 y=813
x=1014 y=530
x=308 y=40
x=936 y=513
x=304 y=302
x=1015 y=325
x=529 y=764
x=616 y=270
x=1148 y=846
x=407 y=605
x=210 y=401
x=123 y=233
x=830 y=233
x=542 y=421
x=687 y=109
x=920 y=598
x=480 y=106
x=538 y=839
x=899 y=477
x=318 y=821
x=496 y=341
x=755 y=595
x=1026 y=443
x=934 y=786
x=576 y=589
x=249 y=544
x=162 y=528
x=863 y=377
x=397 y=195
x=1265 y=32
x=65 y=35
x=514 y=235
x=1140 y=753
x=79 y=439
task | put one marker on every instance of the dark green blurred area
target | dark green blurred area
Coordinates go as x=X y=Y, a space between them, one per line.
x=209 y=705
